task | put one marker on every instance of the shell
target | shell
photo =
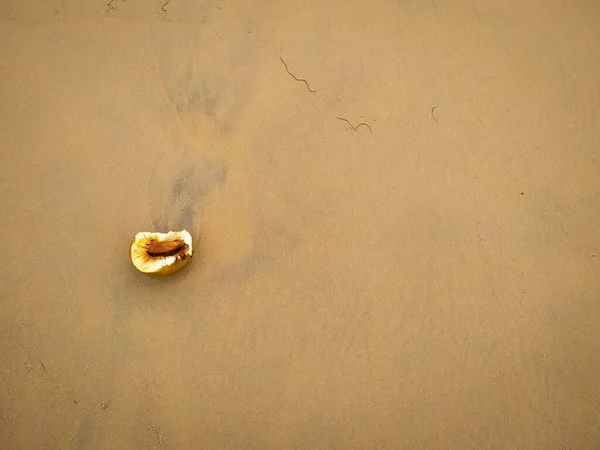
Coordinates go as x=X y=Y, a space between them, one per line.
x=161 y=253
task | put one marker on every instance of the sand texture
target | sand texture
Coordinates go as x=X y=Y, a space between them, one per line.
x=395 y=207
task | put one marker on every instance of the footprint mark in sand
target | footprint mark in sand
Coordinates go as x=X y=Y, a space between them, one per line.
x=181 y=206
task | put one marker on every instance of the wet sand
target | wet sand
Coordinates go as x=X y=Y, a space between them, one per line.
x=426 y=280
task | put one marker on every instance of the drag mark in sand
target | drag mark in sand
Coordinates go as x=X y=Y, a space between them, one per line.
x=162 y=7
x=159 y=436
x=110 y=7
x=432 y=115
x=355 y=128
x=302 y=80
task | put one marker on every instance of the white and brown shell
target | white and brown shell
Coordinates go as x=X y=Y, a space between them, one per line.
x=161 y=253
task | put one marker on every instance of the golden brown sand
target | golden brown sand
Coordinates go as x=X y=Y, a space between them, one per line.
x=395 y=210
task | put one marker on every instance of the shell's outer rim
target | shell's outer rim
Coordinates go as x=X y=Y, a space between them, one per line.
x=160 y=265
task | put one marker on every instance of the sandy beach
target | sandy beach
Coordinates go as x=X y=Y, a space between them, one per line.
x=394 y=204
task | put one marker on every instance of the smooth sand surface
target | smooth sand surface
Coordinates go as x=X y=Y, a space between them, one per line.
x=428 y=281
